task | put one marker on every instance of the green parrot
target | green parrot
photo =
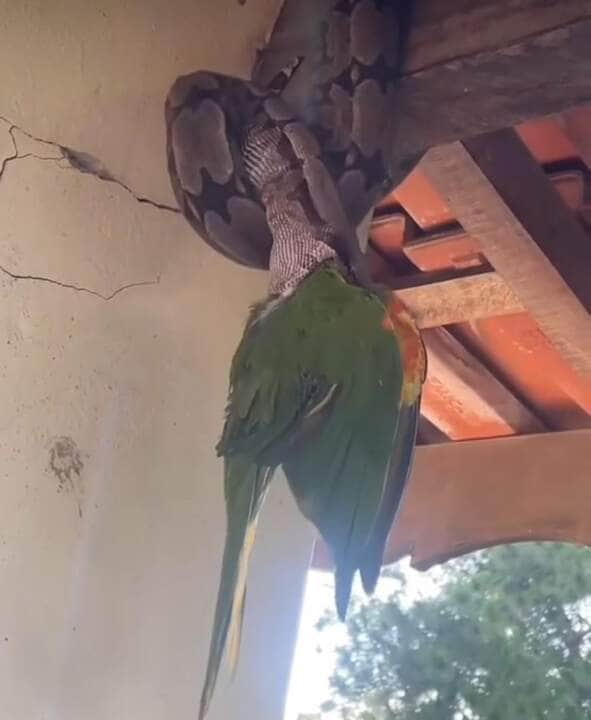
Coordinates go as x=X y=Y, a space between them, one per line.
x=325 y=383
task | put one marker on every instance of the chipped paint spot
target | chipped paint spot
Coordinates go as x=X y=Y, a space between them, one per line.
x=65 y=463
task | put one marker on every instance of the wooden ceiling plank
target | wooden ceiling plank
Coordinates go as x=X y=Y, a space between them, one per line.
x=444 y=31
x=459 y=299
x=505 y=202
x=463 y=399
x=441 y=31
x=539 y=75
x=449 y=296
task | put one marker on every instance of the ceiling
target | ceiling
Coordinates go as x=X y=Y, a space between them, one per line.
x=498 y=375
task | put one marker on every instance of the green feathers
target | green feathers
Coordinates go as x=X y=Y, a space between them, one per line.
x=315 y=386
x=400 y=465
x=245 y=486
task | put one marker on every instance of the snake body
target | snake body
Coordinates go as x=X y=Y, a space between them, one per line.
x=334 y=138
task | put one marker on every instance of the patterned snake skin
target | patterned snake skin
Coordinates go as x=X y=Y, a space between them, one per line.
x=298 y=245
x=248 y=160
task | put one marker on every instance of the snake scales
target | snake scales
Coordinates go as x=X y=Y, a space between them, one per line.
x=335 y=141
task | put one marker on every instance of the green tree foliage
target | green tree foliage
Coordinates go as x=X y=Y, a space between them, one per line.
x=507 y=638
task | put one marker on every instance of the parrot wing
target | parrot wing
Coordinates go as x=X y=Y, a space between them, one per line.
x=338 y=471
x=267 y=399
x=398 y=474
x=339 y=478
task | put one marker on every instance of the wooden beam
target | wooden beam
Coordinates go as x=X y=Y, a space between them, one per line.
x=463 y=399
x=466 y=496
x=394 y=234
x=506 y=203
x=540 y=75
x=457 y=299
x=489 y=492
x=444 y=31
x=445 y=297
x=475 y=66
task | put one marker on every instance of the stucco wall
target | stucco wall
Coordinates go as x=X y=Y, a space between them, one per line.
x=117 y=326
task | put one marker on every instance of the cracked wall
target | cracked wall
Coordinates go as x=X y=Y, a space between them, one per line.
x=116 y=331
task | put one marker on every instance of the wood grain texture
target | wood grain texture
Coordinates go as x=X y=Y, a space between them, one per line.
x=459 y=299
x=463 y=399
x=471 y=495
x=443 y=31
x=489 y=492
x=440 y=31
x=540 y=75
x=446 y=297
x=506 y=203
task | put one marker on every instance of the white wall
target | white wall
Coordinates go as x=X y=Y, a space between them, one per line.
x=111 y=510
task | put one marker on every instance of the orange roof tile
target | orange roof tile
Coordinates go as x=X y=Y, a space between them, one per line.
x=512 y=347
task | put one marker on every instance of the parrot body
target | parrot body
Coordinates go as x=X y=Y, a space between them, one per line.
x=325 y=383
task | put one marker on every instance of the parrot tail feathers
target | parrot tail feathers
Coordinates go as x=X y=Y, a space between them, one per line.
x=343 y=582
x=237 y=616
x=245 y=485
x=398 y=473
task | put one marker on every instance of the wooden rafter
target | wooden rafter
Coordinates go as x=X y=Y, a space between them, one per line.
x=444 y=31
x=506 y=203
x=462 y=397
x=541 y=75
x=470 y=289
x=434 y=301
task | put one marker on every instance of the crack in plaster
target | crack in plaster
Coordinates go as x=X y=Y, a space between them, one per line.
x=79 y=288
x=85 y=163
x=77 y=160
x=14 y=156
x=18 y=156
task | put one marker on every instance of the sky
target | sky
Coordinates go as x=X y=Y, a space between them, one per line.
x=315 y=651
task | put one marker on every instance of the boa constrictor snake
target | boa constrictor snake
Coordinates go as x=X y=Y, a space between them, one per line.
x=334 y=140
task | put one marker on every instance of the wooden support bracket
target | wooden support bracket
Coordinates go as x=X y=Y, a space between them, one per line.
x=471 y=495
